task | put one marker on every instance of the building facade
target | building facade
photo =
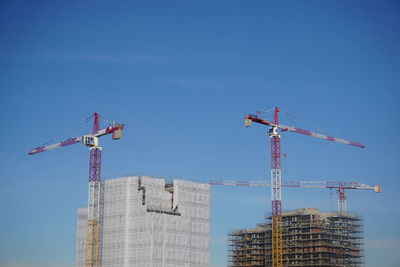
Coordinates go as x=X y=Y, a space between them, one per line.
x=310 y=238
x=147 y=222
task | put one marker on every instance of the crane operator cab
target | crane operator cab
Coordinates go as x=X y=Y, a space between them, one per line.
x=273 y=131
x=90 y=140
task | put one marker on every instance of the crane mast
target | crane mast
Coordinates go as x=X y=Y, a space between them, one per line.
x=93 y=220
x=276 y=193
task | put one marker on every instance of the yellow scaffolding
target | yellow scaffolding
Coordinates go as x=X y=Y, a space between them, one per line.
x=277 y=241
x=92 y=244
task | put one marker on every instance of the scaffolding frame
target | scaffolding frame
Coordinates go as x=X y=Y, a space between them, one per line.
x=310 y=238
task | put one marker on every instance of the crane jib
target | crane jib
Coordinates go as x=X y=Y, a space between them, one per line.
x=114 y=130
x=36 y=150
x=69 y=142
x=285 y=128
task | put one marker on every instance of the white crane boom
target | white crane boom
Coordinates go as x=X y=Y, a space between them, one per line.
x=339 y=186
x=306 y=184
x=87 y=140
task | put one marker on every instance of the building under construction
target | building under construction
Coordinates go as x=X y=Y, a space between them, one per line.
x=149 y=222
x=310 y=238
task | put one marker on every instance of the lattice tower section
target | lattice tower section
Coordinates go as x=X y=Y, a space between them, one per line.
x=93 y=221
x=276 y=194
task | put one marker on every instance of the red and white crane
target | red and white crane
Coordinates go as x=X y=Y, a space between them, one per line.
x=93 y=220
x=276 y=183
x=339 y=186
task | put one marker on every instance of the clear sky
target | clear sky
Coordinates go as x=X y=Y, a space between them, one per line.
x=181 y=75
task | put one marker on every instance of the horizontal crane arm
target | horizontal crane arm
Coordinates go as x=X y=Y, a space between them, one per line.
x=321 y=136
x=67 y=142
x=304 y=184
x=117 y=128
x=253 y=118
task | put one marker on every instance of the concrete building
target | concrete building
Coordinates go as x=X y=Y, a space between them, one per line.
x=310 y=238
x=146 y=222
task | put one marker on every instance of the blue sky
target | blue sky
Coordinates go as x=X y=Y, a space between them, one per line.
x=181 y=75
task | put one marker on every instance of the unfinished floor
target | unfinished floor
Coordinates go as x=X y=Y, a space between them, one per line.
x=310 y=238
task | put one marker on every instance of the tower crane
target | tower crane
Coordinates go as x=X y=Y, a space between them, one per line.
x=276 y=184
x=93 y=219
x=339 y=186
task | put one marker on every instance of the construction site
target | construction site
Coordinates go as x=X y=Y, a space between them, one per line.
x=310 y=238
x=150 y=222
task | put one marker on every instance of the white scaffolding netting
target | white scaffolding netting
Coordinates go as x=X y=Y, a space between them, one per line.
x=81 y=226
x=148 y=223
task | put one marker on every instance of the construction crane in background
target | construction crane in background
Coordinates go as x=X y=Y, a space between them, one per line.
x=93 y=220
x=339 y=186
x=276 y=173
